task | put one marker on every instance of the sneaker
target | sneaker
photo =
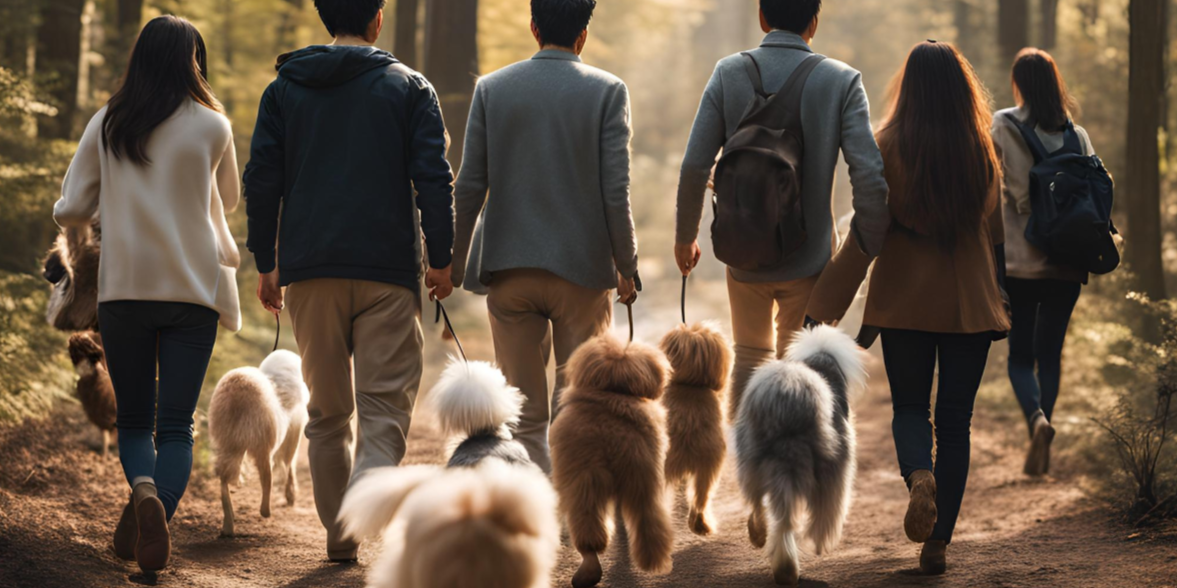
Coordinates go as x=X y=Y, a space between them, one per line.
x=154 y=546
x=126 y=534
x=921 y=507
x=932 y=558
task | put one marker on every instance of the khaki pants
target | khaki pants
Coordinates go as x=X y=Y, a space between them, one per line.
x=759 y=339
x=375 y=328
x=532 y=313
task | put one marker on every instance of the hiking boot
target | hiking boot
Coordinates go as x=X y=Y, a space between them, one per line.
x=126 y=533
x=921 y=507
x=932 y=558
x=154 y=545
x=1038 y=458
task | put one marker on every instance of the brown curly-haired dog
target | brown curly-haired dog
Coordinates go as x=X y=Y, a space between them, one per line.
x=700 y=360
x=608 y=447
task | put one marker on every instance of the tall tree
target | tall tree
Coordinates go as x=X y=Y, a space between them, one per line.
x=59 y=50
x=964 y=18
x=1013 y=28
x=451 y=62
x=406 y=32
x=1047 y=23
x=1142 y=180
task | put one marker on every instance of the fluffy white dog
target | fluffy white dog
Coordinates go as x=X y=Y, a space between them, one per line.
x=794 y=441
x=474 y=400
x=262 y=412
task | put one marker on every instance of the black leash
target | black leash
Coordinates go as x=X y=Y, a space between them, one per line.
x=629 y=310
x=442 y=314
x=683 y=302
x=278 y=330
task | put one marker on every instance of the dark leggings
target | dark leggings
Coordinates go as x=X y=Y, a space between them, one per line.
x=1041 y=312
x=178 y=338
x=910 y=358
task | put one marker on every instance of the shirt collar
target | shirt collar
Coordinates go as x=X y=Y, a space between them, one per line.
x=785 y=39
x=557 y=54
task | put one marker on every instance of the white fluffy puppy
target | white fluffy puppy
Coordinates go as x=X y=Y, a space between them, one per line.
x=474 y=400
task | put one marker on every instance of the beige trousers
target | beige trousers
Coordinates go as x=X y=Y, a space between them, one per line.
x=532 y=314
x=360 y=343
x=758 y=338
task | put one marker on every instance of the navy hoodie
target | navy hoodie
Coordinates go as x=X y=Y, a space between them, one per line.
x=344 y=137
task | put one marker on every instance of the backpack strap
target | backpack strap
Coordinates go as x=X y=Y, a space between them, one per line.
x=753 y=70
x=793 y=89
x=1071 y=142
x=1037 y=149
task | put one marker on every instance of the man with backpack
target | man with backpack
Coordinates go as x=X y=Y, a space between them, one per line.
x=781 y=115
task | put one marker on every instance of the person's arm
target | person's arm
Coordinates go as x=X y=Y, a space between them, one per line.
x=473 y=183
x=872 y=218
x=434 y=182
x=229 y=195
x=616 y=132
x=1016 y=161
x=265 y=181
x=82 y=184
x=707 y=137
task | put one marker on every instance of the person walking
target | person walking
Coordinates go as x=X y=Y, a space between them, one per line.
x=348 y=151
x=1042 y=293
x=834 y=118
x=158 y=166
x=546 y=166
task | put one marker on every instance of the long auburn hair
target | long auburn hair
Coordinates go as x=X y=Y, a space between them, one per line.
x=1039 y=87
x=936 y=141
x=168 y=65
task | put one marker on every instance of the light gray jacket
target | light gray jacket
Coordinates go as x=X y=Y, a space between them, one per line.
x=546 y=165
x=835 y=116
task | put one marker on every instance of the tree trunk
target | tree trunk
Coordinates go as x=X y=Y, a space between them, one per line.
x=287 y=25
x=1048 y=24
x=59 y=50
x=1013 y=28
x=1142 y=177
x=406 y=32
x=130 y=19
x=966 y=30
x=451 y=63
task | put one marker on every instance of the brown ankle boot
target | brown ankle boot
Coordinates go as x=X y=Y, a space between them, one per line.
x=154 y=546
x=126 y=534
x=921 y=507
x=1038 y=458
x=932 y=558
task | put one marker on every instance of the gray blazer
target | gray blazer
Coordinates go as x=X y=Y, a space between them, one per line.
x=546 y=165
x=835 y=117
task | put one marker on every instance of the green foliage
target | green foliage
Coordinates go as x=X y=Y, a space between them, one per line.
x=34 y=371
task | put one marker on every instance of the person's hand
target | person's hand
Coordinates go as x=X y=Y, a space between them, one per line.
x=627 y=291
x=439 y=282
x=269 y=292
x=686 y=255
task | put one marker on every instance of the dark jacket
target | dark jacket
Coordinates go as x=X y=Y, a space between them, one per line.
x=343 y=137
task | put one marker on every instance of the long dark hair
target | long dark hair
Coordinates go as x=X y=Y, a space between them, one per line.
x=936 y=139
x=168 y=66
x=1039 y=87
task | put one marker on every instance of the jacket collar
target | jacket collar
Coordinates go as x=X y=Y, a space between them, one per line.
x=557 y=54
x=786 y=40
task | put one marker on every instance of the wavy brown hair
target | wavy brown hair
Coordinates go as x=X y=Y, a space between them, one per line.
x=1039 y=87
x=936 y=140
x=168 y=66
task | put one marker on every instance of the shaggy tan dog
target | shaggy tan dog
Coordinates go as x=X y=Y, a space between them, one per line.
x=72 y=267
x=94 y=390
x=608 y=448
x=488 y=526
x=262 y=412
x=700 y=360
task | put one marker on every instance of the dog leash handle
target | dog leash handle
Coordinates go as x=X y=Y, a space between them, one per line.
x=443 y=315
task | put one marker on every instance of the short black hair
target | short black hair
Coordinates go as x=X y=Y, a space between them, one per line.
x=348 y=17
x=790 y=15
x=560 y=22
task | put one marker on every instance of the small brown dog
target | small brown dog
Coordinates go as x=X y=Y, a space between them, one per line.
x=94 y=390
x=608 y=448
x=700 y=360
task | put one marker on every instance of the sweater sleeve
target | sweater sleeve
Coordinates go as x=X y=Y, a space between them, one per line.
x=1016 y=162
x=265 y=181
x=472 y=185
x=872 y=218
x=616 y=133
x=433 y=179
x=229 y=195
x=707 y=137
x=82 y=185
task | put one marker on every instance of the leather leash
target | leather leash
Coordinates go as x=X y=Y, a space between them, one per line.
x=441 y=314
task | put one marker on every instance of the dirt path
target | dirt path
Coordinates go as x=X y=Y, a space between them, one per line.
x=57 y=509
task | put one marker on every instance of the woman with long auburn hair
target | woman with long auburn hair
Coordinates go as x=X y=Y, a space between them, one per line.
x=158 y=167
x=1042 y=293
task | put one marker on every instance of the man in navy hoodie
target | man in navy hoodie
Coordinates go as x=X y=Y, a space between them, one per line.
x=349 y=150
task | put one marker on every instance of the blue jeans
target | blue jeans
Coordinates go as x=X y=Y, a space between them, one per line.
x=910 y=358
x=178 y=338
x=1041 y=312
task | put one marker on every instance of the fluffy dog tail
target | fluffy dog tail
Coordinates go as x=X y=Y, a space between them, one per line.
x=373 y=500
x=284 y=369
x=474 y=398
x=830 y=341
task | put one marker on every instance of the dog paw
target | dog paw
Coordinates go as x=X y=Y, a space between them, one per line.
x=698 y=523
x=265 y=512
x=589 y=573
x=757 y=531
x=787 y=574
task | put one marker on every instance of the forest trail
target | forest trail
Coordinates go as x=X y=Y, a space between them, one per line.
x=58 y=509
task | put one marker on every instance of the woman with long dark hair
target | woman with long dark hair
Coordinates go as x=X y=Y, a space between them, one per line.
x=935 y=291
x=157 y=166
x=1042 y=294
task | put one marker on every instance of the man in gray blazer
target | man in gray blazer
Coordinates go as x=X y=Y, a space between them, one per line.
x=835 y=117
x=546 y=166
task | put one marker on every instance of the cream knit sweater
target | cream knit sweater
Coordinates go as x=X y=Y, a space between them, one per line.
x=164 y=233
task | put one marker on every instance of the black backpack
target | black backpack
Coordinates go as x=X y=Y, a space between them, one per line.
x=1071 y=198
x=757 y=205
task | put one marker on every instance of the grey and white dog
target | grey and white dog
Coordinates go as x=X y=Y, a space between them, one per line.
x=794 y=444
x=474 y=400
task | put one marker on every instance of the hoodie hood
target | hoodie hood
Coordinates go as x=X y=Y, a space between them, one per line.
x=322 y=66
